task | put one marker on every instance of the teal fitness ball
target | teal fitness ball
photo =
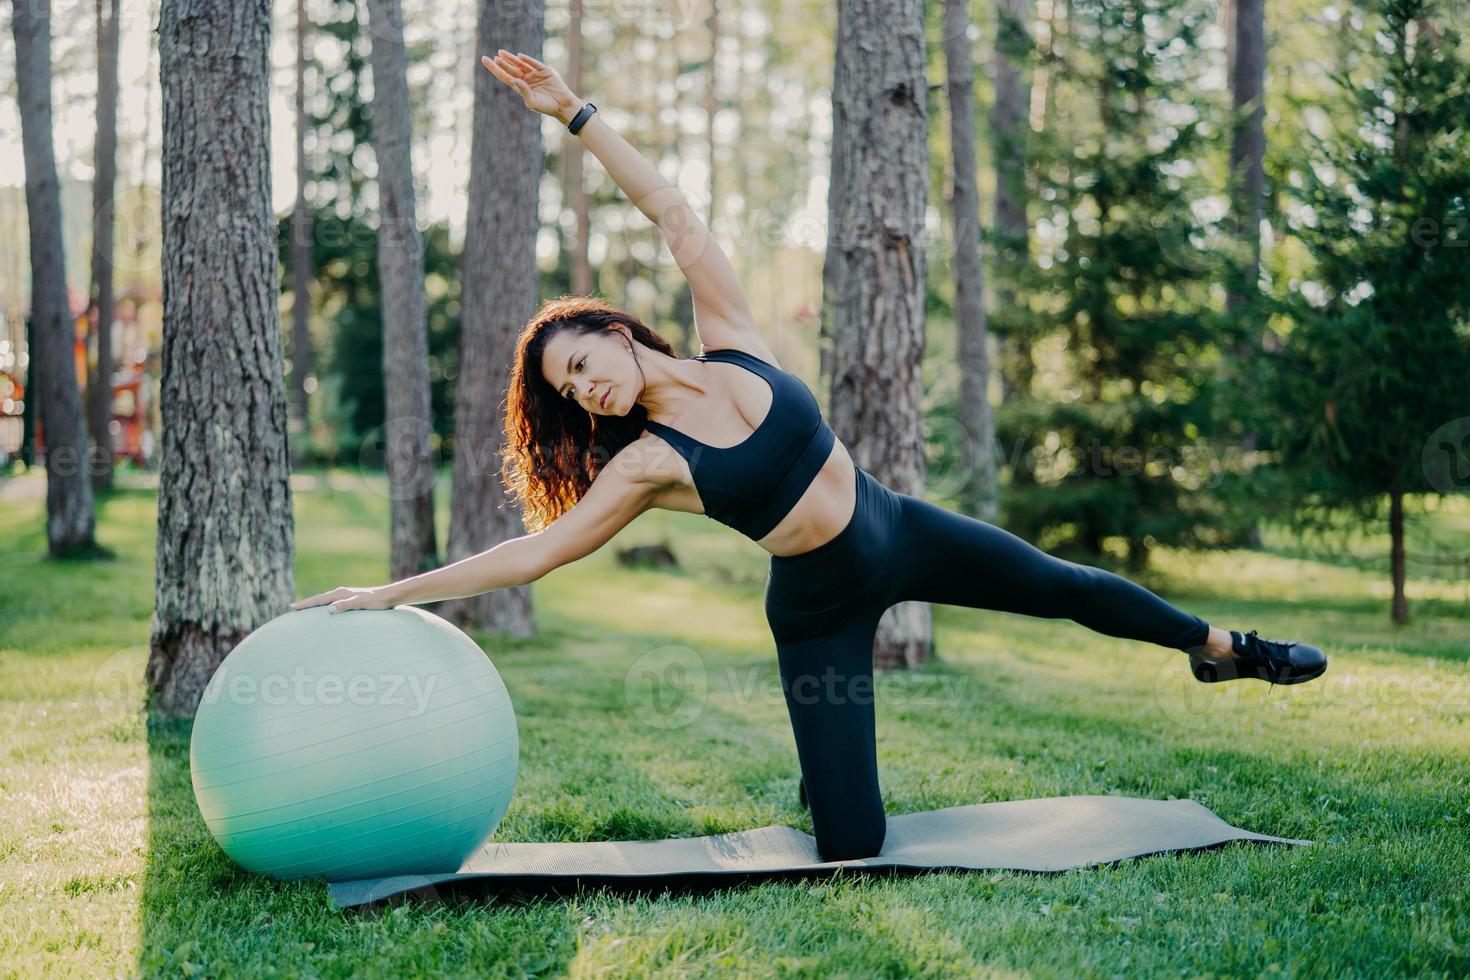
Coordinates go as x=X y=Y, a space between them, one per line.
x=357 y=744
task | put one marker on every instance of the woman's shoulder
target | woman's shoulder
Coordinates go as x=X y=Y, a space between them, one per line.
x=750 y=345
x=649 y=458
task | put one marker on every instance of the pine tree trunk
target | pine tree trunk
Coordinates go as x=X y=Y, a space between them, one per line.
x=874 y=285
x=99 y=385
x=225 y=533
x=1247 y=71
x=712 y=103
x=711 y=112
x=301 y=256
x=498 y=296
x=407 y=410
x=573 y=154
x=1009 y=123
x=667 y=69
x=976 y=421
x=1396 y=554
x=833 y=265
x=69 y=515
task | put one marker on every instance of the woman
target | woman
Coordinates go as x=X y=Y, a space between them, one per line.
x=730 y=435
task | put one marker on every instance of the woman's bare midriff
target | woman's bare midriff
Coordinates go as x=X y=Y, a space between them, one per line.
x=819 y=515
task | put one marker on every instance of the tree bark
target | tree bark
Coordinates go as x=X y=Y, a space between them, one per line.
x=99 y=384
x=1396 y=554
x=574 y=158
x=302 y=271
x=498 y=296
x=225 y=533
x=977 y=424
x=1247 y=78
x=833 y=267
x=1009 y=124
x=70 y=521
x=408 y=427
x=875 y=265
x=1248 y=135
x=712 y=102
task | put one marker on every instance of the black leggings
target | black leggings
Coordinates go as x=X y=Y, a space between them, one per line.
x=823 y=607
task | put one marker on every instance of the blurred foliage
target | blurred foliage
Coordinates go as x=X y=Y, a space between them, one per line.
x=1379 y=354
x=1122 y=427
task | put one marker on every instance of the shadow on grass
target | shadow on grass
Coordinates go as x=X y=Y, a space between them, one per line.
x=588 y=774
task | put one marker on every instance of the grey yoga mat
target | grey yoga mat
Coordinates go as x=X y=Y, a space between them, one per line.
x=1049 y=834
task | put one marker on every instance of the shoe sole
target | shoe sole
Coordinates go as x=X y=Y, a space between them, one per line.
x=1207 y=672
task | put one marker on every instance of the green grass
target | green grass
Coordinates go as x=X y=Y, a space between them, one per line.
x=107 y=868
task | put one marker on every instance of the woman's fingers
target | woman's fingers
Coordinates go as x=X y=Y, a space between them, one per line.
x=509 y=61
x=359 y=599
x=529 y=60
x=496 y=68
x=500 y=70
x=320 y=598
x=525 y=63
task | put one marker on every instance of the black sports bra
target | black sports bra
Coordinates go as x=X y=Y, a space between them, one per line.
x=751 y=485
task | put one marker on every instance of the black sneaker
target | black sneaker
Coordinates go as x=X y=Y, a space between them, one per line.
x=1277 y=661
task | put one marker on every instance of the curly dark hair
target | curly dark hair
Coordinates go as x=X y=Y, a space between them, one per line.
x=553 y=448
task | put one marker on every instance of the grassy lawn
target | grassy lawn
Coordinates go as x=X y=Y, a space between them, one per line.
x=107 y=868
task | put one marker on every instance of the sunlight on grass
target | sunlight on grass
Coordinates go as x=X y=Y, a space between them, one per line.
x=106 y=866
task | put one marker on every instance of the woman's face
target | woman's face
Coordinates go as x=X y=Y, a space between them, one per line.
x=595 y=370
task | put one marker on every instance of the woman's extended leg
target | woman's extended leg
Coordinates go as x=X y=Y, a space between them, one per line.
x=946 y=557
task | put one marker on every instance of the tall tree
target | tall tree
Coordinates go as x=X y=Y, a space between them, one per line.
x=573 y=159
x=1246 y=63
x=1010 y=236
x=976 y=421
x=406 y=435
x=1369 y=393
x=1122 y=450
x=302 y=271
x=498 y=296
x=711 y=100
x=876 y=264
x=70 y=522
x=226 y=541
x=99 y=383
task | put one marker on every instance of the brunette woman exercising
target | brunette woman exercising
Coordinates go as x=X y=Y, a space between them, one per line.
x=590 y=380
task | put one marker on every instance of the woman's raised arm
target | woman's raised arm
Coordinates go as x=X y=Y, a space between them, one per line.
x=722 y=312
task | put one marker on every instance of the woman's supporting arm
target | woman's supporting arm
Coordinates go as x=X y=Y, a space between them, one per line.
x=618 y=495
x=509 y=563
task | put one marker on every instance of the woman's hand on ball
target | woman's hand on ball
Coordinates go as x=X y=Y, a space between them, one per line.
x=345 y=598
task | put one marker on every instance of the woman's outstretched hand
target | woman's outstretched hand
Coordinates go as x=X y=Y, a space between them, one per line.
x=347 y=598
x=541 y=87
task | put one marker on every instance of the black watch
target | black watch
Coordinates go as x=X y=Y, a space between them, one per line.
x=580 y=119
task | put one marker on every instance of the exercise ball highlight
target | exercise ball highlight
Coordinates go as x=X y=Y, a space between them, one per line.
x=357 y=744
